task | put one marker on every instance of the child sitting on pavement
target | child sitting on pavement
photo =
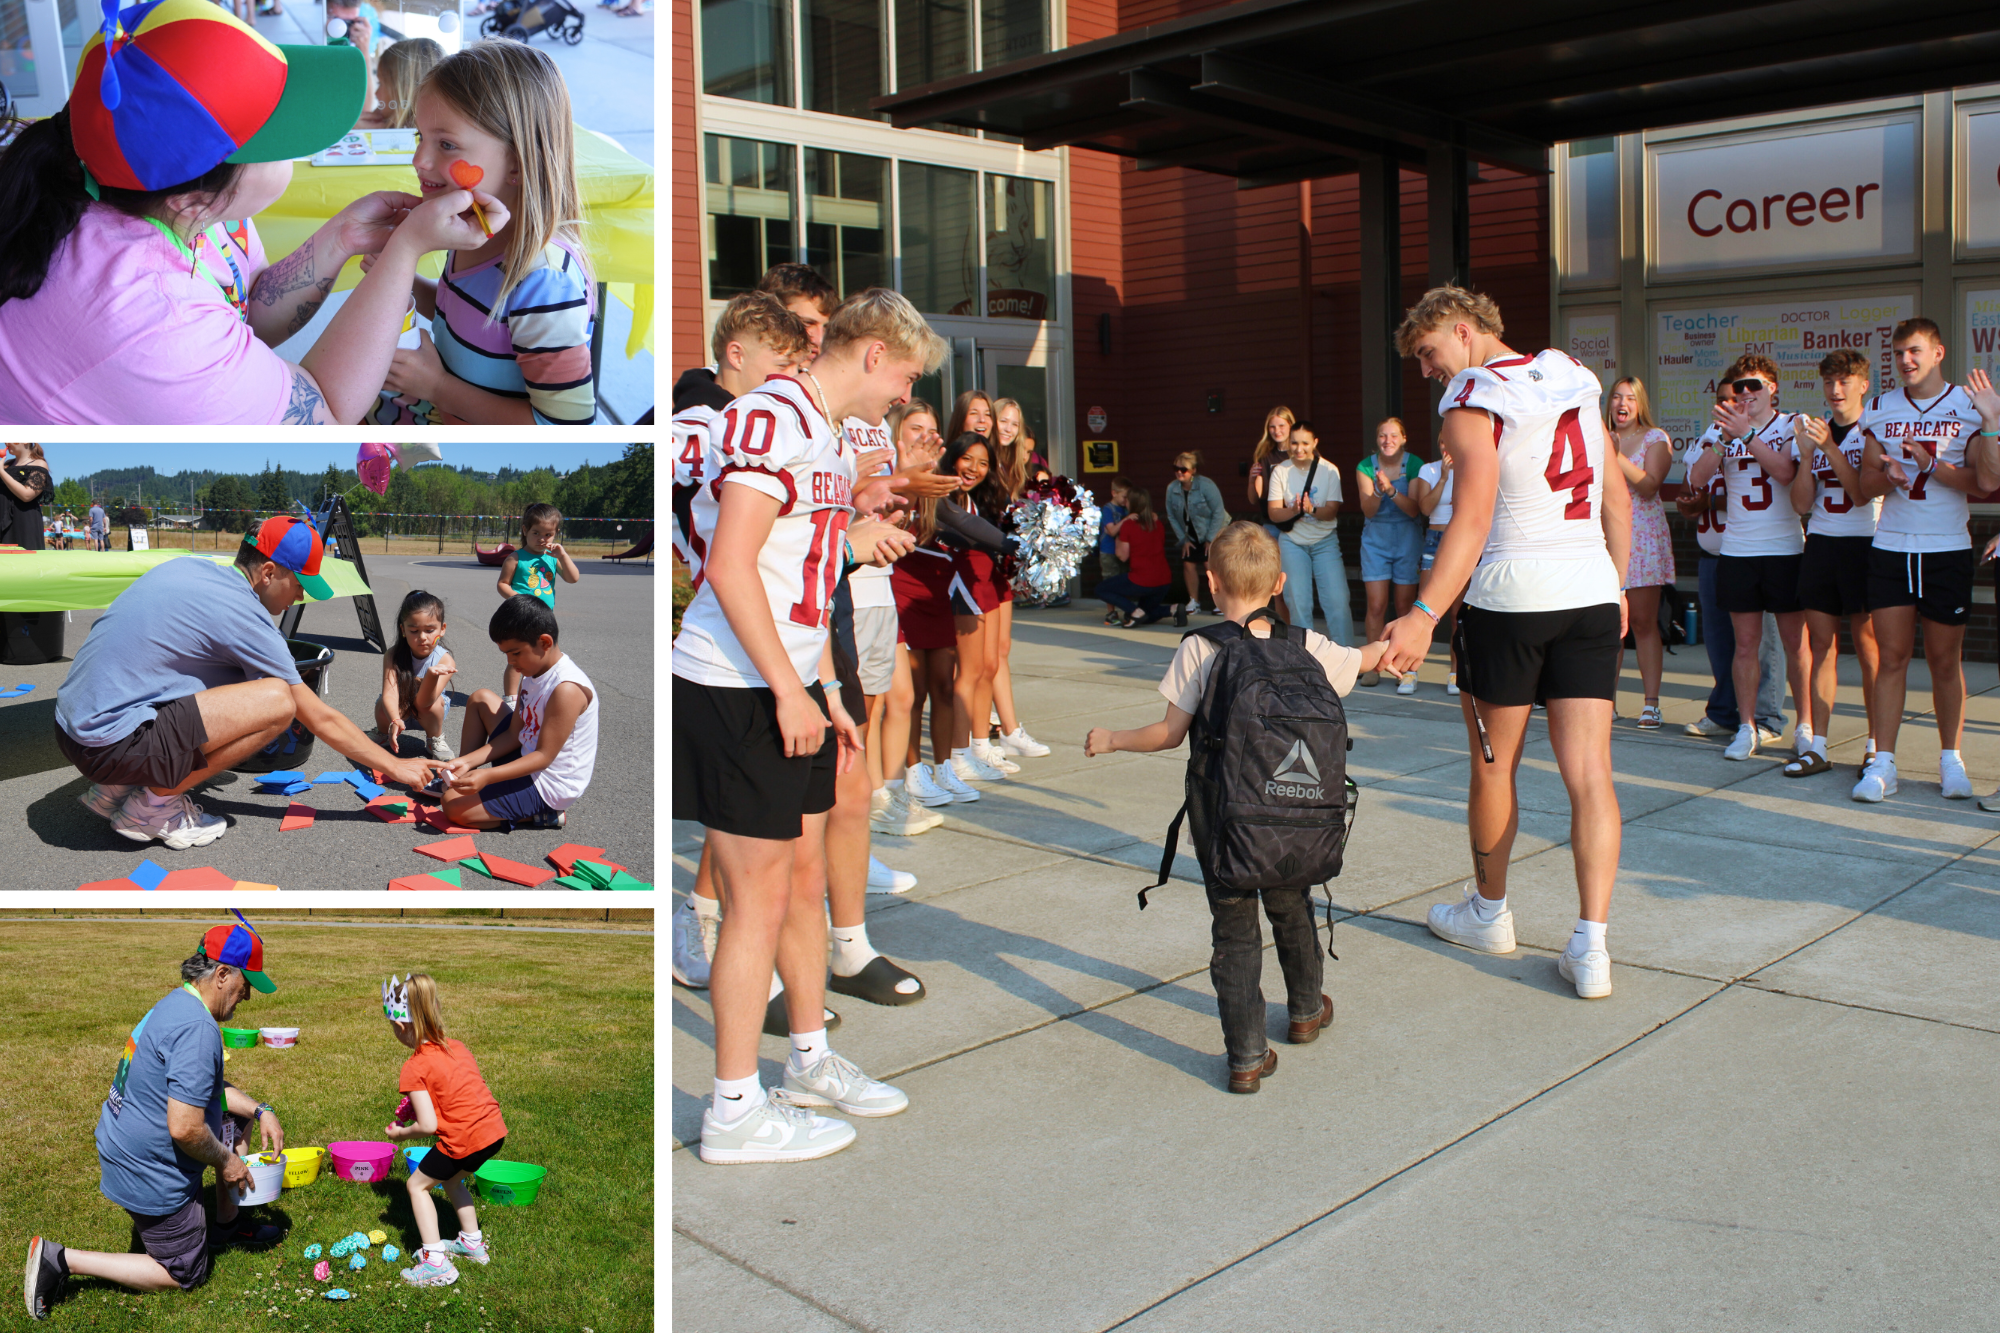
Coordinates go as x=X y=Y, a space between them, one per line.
x=1244 y=574
x=544 y=749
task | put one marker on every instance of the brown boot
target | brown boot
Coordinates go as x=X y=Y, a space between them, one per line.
x=1246 y=1080
x=1301 y=1033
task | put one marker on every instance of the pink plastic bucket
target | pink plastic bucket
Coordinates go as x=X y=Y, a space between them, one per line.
x=361 y=1160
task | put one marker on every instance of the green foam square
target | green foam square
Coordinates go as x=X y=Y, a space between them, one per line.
x=450 y=875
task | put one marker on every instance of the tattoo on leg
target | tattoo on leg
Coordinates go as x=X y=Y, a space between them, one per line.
x=1479 y=864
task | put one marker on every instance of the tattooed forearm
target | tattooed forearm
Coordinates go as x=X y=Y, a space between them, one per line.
x=297 y=272
x=306 y=401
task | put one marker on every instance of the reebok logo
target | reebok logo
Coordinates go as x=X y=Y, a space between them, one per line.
x=1298 y=776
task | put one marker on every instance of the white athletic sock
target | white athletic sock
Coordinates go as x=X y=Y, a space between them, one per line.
x=1819 y=746
x=961 y=753
x=153 y=798
x=894 y=786
x=473 y=1236
x=1871 y=745
x=807 y=1048
x=1950 y=757
x=1887 y=756
x=737 y=1097
x=705 y=906
x=849 y=949
x=1588 y=935
x=1488 y=909
x=777 y=988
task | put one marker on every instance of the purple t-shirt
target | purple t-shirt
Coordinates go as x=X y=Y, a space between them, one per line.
x=122 y=334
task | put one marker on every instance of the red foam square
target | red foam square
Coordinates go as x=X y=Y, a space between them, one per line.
x=297 y=817
x=451 y=849
x=435 y=817
x=198 y=877
x=566 y=856
x=422 y=884
x=123 y=884
x=514 y=872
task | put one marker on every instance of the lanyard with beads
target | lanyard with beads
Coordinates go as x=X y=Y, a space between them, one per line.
x=232 y=291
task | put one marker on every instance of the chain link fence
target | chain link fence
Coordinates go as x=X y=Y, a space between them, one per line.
x=379 y=534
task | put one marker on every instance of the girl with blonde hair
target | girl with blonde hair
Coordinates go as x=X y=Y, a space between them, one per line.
x=1278 y=423
x=1011 y=456
x=1644 y=454
x=397 y=74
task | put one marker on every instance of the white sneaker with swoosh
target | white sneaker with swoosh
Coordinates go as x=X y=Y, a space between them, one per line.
x=833 y=1081
x=777 y=1131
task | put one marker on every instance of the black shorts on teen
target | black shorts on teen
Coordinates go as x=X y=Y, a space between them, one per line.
x=438 y=1165
x=177 y=1241
x=1937 y=583
x=1514 y=658
x=159 y=752
x=731 y=773
x=1757 y=583
x=1833 y=575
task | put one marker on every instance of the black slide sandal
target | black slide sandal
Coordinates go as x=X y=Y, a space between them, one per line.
x=779 y=1024
x=876 y=983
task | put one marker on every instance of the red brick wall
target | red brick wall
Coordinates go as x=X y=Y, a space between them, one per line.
x=684 y=199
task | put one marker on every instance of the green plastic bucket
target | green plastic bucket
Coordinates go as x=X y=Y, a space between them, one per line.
x=509 y=1183
x=239 y=1037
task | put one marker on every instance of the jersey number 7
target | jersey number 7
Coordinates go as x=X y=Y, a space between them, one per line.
x=1576 y=478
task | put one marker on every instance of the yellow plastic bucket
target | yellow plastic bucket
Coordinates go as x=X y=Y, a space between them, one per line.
x=302 y=1166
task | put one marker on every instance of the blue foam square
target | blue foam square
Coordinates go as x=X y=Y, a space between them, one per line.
x=147 y=875
x=369 y=791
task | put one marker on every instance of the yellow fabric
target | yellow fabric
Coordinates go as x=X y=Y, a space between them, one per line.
x=617 y=207
x=86 y=580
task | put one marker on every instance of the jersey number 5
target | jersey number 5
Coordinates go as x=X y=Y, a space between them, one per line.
x=1576 y=478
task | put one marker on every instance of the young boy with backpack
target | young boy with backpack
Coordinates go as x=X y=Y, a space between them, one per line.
x=1268 y=800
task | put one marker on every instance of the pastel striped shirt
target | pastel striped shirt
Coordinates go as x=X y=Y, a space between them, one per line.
x=539 y=346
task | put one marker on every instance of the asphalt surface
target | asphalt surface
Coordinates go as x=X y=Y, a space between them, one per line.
x=49 y=841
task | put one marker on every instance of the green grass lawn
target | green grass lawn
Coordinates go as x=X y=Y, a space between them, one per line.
x=562 y=1027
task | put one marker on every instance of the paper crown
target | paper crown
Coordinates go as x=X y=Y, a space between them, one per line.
x=396 y=999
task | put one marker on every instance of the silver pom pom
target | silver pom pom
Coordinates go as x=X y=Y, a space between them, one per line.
x=1054 y=528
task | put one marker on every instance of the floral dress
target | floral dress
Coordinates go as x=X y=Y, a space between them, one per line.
x=1652 y=563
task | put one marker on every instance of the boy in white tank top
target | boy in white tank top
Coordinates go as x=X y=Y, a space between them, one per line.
x=1544 y=606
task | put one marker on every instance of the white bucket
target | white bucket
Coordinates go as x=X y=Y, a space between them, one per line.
x=280 y=1037
x=267 y=1179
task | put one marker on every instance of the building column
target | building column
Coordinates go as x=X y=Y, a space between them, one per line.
x=1305 y=411
x=1381 y=289
x=1450 y=208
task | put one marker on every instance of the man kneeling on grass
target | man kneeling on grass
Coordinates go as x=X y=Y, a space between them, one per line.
x=185 y=676
x=170 y=1115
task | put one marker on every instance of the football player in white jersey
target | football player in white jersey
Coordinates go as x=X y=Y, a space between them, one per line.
x=1840 y=530
x=754 y=762
x=1929 y=443
x=1762 y=542
x=1539 y=538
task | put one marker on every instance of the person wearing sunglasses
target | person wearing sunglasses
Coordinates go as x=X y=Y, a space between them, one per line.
x=1762 y=542
x=1195 y=517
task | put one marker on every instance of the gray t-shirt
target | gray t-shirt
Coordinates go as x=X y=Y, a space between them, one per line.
x=97 y=519
x=176 y=1051
x=184 y=626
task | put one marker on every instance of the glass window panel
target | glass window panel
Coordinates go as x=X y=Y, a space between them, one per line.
x=1011 y=29
x=1020 y=248
x=1590 y=233
x=933 y=40
x=750 y=223
x=940 y=241
x=1029 y=386
x=17 y=51
x=746 y=50
x=844 y=61
x=847 y=219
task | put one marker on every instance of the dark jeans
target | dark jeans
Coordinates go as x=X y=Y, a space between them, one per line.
x=1237 y=965
x=1718 y=635
x=1127 y=596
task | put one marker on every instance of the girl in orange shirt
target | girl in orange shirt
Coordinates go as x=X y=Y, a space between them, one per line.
x=451 y=1101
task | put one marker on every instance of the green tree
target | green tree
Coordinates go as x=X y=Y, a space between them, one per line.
x=72 y=496
x=228 y=501
x=272 y=496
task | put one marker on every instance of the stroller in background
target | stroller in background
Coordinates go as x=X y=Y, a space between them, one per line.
x=519 y=20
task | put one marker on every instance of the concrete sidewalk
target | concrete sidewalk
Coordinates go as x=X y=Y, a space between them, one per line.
x=1784 y=1117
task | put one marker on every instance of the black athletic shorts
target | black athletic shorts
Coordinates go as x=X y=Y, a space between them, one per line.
x=1514 y=658
x=731 y=773
x=438 y=1165
x=1745 y=583
x=1937 y=583
x=1833 y=575
x=177 y=1241
x=160 y=752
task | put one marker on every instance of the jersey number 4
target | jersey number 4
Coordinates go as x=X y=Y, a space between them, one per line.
x=1569 y=447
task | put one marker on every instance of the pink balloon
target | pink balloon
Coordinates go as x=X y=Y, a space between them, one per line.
x=373 y=462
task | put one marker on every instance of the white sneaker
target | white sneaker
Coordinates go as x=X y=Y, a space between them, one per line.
x=949 y=783
x=103 y=799
x=1990 y=804
x=1766 y=736
x=1459 y=923
x=833 y=1081
x=440 y=749
x=1956 y=781
x=969 y=767
x=899 y=818
x=777 y=1131
x=881 y=879
x=1408 y=684
x=1744 y=745
x=179 y=823
x=993 y=756
x=1451 y=683
x=694 y=947
x=1705 y=727
x=1018 y=741
x=920 y=789
x=1878 y=780
x=1590 y=974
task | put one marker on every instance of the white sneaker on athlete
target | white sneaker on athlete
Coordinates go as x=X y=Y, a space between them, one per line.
x=993 y=756
x=104 y=798
x=1590 y=974
x=950 y=784
x=969 y=767
x=693 y=951
x=180 y=823
x=1878 y=780
x=1705 y=727
x=1459 y=923
x=1451 y=683
x=440 y=749
x=1744 y=745
x=475 y=1250
x=1650 y=718
x=837 y=1082
x=1018 y=741
x=899 y=818
x=881 y=879
x=1408 y=684
x=920 y=789
x=1956 y=781
x=433 y=1270
x=777 y=1131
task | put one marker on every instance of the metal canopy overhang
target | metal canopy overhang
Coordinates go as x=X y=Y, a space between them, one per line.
x=1271 y=91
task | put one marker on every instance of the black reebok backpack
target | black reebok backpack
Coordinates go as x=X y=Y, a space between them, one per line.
x=1269 y=802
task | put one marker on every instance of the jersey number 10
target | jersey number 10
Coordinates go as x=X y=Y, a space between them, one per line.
x=1576 y=478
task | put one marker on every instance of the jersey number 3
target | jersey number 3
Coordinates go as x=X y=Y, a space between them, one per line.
x=1569 y=446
